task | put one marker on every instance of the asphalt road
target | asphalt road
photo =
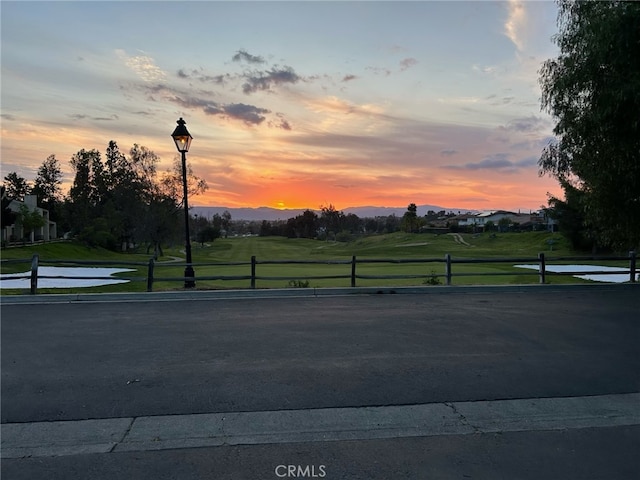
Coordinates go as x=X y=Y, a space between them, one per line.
x=108 y=360
x=104 y=360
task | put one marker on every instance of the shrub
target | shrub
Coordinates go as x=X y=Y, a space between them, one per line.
x=433 y=279
x=298 y=284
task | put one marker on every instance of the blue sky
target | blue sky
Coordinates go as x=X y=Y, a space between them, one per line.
x=291 y=104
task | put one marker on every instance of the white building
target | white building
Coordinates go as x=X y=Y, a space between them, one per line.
x=15 y=232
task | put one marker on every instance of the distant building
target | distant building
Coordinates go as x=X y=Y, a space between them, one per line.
x=480 y=220
x=15 y=232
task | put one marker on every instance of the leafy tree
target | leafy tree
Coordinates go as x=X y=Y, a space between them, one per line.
x=352 y=223
x=226 y=221
x=331 y=220
x=80 y=209
x=30 y=220
x=303 y=226
x=208 y=234
x=8 y=216
x=16 y=187
x=172 y=185
x=568 y=213
x=46 y=186
x=593 y=91
x=504 y=224
x=410 y=218
x=391 y=224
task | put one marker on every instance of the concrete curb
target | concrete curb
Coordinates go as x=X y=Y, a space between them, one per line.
x=317 y=425
x=187 y=295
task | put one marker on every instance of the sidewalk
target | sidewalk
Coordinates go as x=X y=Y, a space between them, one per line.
x=104 y=436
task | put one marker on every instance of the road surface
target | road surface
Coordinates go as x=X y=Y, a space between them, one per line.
x=464 y=383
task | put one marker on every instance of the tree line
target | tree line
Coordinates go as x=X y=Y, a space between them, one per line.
x=116 y=201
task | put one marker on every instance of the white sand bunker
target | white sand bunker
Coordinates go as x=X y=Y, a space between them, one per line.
x=623 y=276
x=69 y=281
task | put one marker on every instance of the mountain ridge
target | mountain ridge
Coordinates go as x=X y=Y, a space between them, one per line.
x=274 y=214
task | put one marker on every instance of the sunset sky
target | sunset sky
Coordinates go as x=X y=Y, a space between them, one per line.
x=291 y=104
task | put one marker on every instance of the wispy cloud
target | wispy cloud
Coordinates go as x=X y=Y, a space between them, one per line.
x=516 y=22
x=531 y=124
x=379 y=71
x=497 y=161
x=144 y=66
x=221 y=79
x=98 y=119
x=250 y=115
x=407 y=63
x=243 y=55
x=448 y=152
x=266 y=80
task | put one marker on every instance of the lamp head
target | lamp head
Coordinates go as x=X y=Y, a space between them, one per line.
x=182 y=137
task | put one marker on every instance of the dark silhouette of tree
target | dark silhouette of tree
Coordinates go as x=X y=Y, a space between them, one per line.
x=303 y=226
x=8 y=216
x=592 y=89
x=47 y=186
x=16 y=187
x=410 y=218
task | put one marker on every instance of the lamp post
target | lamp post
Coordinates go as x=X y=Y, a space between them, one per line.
x=183 y=138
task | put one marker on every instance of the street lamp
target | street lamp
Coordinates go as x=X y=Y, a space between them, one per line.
x=183 y=138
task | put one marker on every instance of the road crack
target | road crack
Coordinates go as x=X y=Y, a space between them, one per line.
x=462 y=418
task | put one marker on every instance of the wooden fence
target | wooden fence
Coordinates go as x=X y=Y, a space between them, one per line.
x=351 y=270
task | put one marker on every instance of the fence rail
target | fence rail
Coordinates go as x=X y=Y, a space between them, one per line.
x=150 y=278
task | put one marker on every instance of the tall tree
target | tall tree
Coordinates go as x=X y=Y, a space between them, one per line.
x=593 y=91
x=80 y=208
x=16 y=187
x=331 y=220
x=410 y=218
x=8 y=216
x=46 y=186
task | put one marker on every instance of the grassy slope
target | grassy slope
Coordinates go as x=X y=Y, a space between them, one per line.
x=392 y=246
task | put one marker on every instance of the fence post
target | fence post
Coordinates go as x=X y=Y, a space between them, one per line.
x=353 y=271
x=253 y=271
x=632 y=266
x=34 y=274
x=542 y=268
x=150 y=275
x=447 y=268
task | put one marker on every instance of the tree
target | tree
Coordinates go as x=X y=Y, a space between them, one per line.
x=504 y=224
x=46 y=186
x=410 y=218
x=207 y=234
x=8 y=216
x=29 y=220
x=593 y=91
x=80 y=207
x=568 y=213
x=331 y=220
x=16 y=187
x=226 y=222
x=303 y=226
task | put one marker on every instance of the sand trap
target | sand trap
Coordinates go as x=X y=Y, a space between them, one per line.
x=611 y=278
x=65 y=282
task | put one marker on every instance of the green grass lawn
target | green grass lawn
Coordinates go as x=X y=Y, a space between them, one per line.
x=208 y=260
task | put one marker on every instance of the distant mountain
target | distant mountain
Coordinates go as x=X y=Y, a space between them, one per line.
x=250 y=214
x=272 y=214
x=365 y=212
